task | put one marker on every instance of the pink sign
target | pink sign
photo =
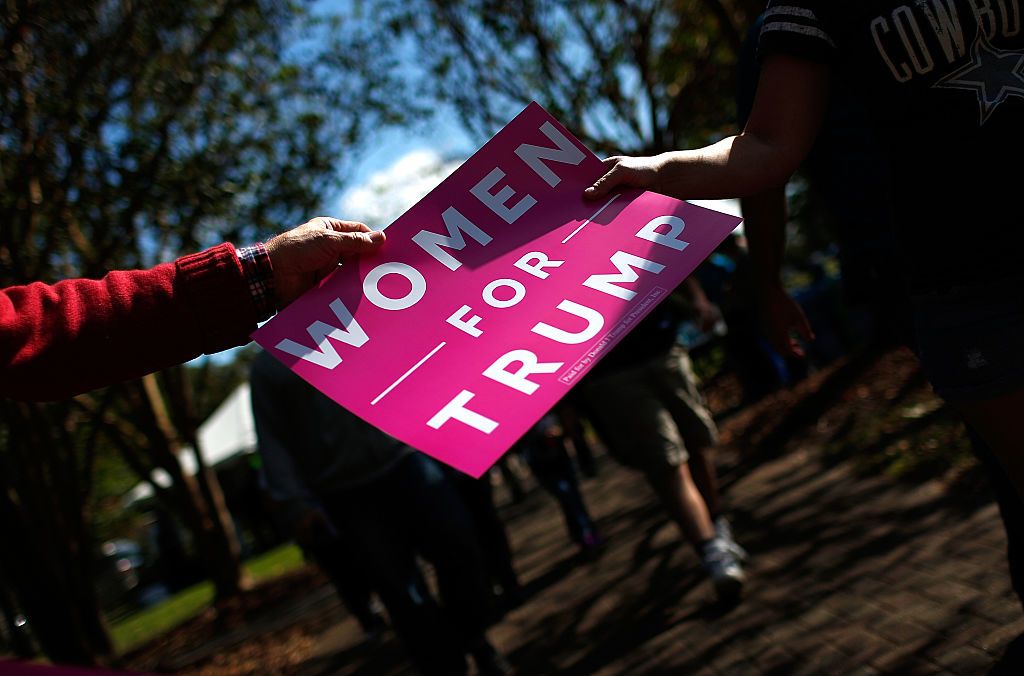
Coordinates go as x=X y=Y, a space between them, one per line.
x=492 y=296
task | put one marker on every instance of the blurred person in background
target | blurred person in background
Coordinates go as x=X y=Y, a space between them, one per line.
x=645 y=401
x=387 y=504
x=543 y=448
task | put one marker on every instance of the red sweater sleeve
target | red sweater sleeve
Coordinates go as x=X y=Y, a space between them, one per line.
x=79 y=334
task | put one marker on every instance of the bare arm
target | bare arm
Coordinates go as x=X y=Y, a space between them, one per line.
x=707 y=314
x=791 y=98
x=764 y=221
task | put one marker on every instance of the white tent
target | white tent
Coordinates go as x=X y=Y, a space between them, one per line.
x=726 y=206
x=229 y=432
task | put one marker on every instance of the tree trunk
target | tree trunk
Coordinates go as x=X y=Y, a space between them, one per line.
x=45 y=537
x=20 y=642
x=219 y=546
x=184 y=498
x=204 y=512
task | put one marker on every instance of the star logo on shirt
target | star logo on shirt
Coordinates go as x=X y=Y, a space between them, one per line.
x=994 y=75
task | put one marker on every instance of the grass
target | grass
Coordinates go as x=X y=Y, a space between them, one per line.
x=276 y=562
x=137 y=629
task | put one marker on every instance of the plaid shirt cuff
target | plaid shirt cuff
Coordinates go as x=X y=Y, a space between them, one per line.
x=259 y=276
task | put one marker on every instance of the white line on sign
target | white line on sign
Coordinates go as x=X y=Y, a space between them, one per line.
x=407 y=373
x=596 y=214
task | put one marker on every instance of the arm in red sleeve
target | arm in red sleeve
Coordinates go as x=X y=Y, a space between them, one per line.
x=76 y=335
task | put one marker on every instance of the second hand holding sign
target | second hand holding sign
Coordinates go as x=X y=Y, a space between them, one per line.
x=492 y=295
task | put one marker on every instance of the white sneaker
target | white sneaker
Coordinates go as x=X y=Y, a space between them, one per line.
x=724 y=569
x=723 y=531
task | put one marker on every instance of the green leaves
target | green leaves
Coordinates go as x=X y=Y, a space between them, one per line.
x=633 y=76
x=145 y=129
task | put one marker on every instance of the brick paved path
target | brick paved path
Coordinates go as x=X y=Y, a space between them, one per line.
x=848 y=575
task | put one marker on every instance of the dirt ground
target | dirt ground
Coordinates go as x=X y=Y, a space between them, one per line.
x=875 y=548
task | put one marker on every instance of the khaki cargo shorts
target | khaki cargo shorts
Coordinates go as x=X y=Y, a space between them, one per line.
x=649 y=413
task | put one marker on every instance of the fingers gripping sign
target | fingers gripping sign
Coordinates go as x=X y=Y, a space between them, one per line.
x=304 y=255
x=627 y=172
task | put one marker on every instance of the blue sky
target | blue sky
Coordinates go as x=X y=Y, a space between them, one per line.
x=443 y=142
x=398 y=166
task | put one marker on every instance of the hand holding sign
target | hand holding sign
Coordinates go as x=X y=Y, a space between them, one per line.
x=634 y=172
x=492 y=296
x=303 y=256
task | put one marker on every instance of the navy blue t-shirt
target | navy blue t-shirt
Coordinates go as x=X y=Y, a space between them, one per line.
x=943 y=84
